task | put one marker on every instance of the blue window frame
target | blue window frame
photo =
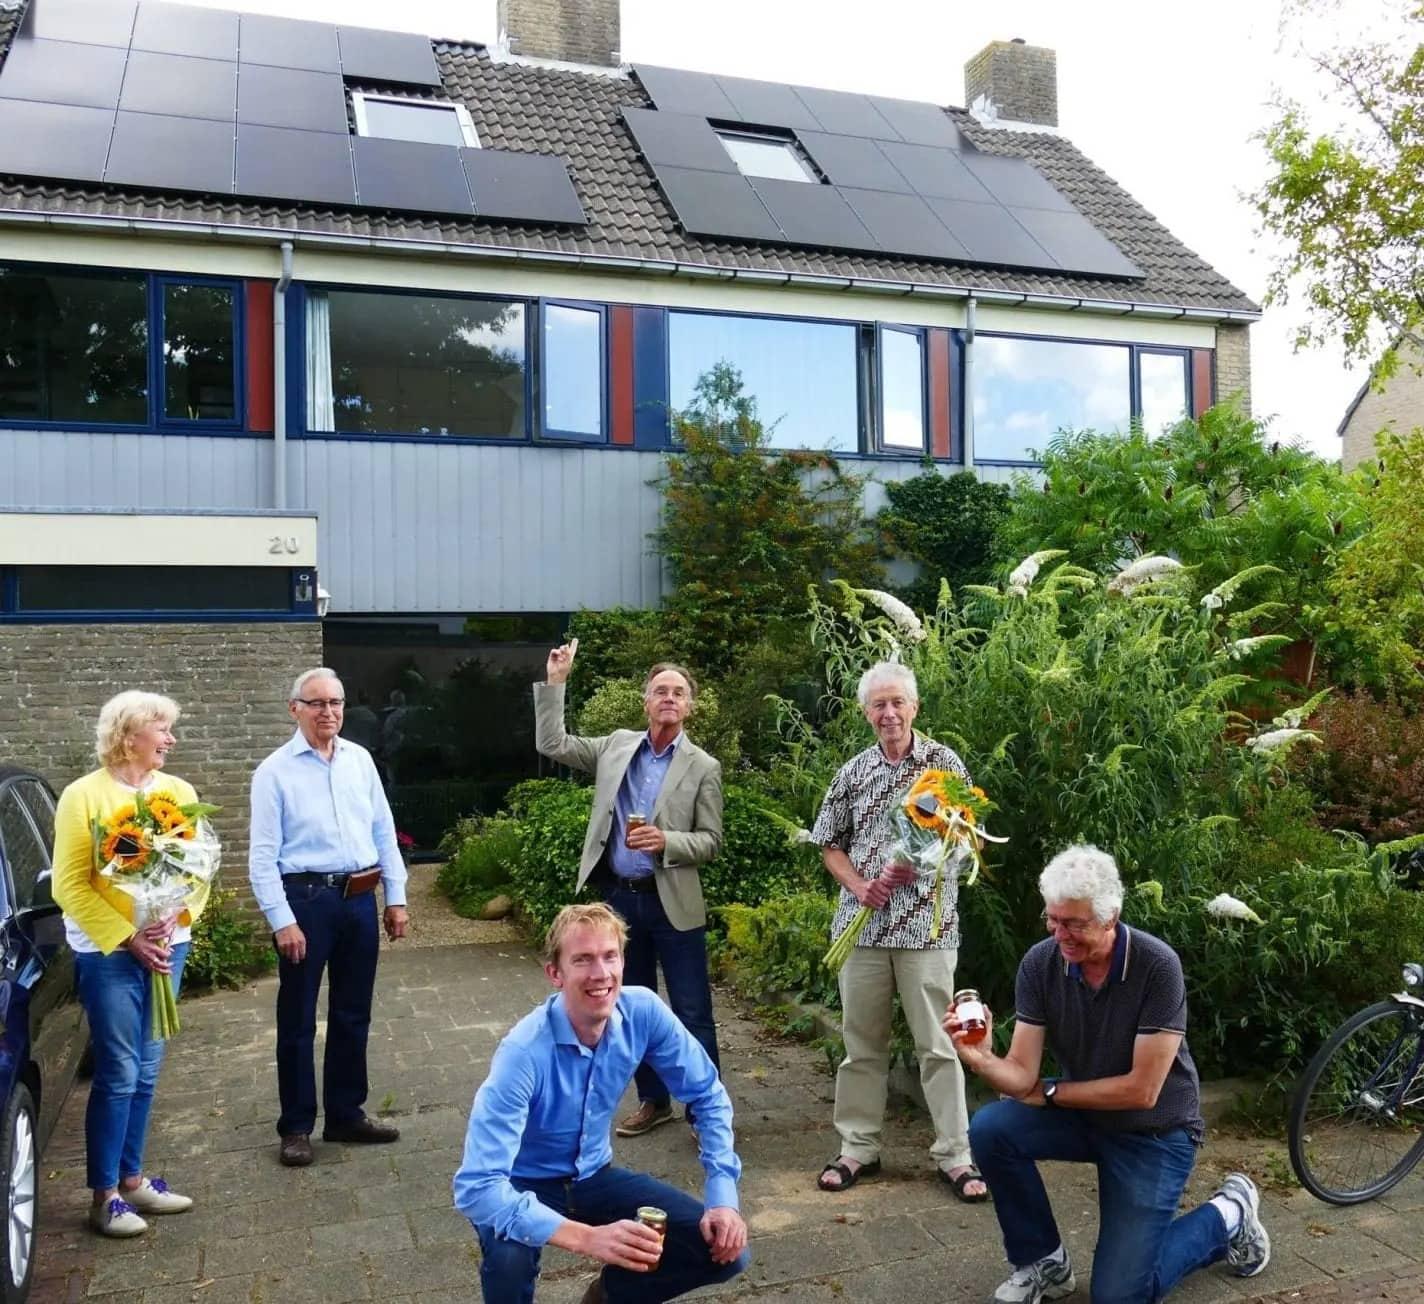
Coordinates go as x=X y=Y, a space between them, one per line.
x=573 y=371
x=902 y=391
x=104 y=349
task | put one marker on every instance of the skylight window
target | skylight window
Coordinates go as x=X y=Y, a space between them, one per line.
x=766 y=156
x=429 y=122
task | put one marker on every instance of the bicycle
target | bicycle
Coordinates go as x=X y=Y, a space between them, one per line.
x=1357 y=1116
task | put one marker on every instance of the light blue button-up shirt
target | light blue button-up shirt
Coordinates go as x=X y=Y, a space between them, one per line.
x=642 y=782
x=546 y=1109
x=314 y=816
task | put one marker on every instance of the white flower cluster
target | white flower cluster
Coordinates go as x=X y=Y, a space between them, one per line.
x=1145 y=570
x=1226 y=906
x=1027 y=570
x=1275 y=738
x=905 y=620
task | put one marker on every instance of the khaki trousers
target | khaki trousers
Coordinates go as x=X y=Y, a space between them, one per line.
x=925 y=981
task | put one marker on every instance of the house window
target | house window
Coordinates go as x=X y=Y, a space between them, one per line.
x=73 y=347
x=571 y=371
x=409 y=364
x=41 y=593
x=1163 y=381
x=759 y=155
x=1027 y=390
x=902 y=389
x=199 y=352
x=430 y=122
x=802 y=374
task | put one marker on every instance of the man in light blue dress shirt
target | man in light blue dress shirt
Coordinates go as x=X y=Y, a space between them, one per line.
x=322 y=838
x=538 y=1169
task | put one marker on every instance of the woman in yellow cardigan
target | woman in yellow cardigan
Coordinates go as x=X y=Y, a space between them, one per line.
x=113 y=959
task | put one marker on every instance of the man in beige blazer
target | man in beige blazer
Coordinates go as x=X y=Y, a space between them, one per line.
x=657 y=816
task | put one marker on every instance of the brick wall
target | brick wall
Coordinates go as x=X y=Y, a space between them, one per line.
x=231 y=682
x=1233 y=364
x=576 y=31
x=1397 y=408
x=1021 y=81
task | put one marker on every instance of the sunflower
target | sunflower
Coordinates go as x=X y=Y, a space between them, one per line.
x=924 y=803
x=126 y=842
x=169 y=817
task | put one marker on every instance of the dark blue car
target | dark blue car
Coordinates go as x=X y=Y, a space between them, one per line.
x=42 y=1034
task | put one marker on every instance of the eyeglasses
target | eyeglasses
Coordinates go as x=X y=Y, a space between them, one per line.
x=316 y=703
x=1074 y=927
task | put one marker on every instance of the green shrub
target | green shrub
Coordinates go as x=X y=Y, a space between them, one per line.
x=620 y=643
x=481 y=863
x=228 y=947
x=552 y=816
x=618 y=704
x=758 y=863
x=777 y=946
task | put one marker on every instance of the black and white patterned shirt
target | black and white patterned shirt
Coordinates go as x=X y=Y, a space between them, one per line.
x=855 y=817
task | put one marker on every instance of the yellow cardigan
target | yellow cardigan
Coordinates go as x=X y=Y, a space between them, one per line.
x=104 y=912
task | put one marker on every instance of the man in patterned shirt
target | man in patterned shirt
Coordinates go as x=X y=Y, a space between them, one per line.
x=895 y=952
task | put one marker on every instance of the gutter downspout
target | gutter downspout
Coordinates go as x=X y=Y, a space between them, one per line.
x=969 y=307
x=279 y=380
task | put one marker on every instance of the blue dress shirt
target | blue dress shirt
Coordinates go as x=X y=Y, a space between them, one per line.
x=314 y=816
x=547 y=1107
x=642 y=781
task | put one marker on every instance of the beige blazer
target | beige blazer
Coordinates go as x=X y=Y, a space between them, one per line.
x=688 y=809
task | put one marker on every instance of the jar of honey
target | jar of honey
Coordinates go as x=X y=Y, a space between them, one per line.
x=970 y=1011
x=636 y=819
x=657 y=1219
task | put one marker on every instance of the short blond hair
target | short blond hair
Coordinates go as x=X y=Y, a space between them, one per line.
x=593 y=914
x=124 y=715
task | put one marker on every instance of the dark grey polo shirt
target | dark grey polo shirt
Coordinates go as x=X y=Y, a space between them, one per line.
x=1091 y=1033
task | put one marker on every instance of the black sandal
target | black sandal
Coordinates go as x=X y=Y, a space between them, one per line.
x=848 y=1178
x=957 y=1185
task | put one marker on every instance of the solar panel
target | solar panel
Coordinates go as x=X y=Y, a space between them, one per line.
x=279 y=163
x=63 y=72
x=179 y=85
x=853 y=161
x=991 y=234
x=369 y=55
x=291 y=97
x=844 y=113
x=678 y=91
x=288 y=43
x=903 y=224
x=918 y=123
x=940 y=173
x=812 y=214
x=1076 y=243
x=717 y=204
x=151 y=149
x=766 y=104
x=53 y=140
x=91 y=22
x=678 y=139
x=405 y=174
x=182 y=29
x=521 y=187
x=1015 y=181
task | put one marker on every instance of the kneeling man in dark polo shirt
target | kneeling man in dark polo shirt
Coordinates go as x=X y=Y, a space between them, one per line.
x=1110 y=1003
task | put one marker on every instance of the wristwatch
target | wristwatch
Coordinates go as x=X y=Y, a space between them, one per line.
x=1050 y=1089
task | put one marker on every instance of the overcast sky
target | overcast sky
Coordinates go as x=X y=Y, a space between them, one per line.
x=1166 y=100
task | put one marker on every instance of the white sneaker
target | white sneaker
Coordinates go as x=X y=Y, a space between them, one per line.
x=1249 y=1248
x=153 y=1195
x=116 y=1217
x=1048 y=1279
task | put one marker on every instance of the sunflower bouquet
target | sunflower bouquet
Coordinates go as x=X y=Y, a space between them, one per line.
x=938 y=823
x=156 y=850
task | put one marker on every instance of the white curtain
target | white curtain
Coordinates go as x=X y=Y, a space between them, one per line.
x=321 y=410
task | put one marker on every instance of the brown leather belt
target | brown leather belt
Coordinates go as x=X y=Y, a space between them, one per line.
x=355 y=884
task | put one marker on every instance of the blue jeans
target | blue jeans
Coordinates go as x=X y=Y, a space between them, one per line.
x=343 y=940
x=509 y=1269
x=682 y=953
x=116 y=994
x=1143 y=1248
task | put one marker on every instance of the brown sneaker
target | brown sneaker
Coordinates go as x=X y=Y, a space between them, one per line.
x=644 y=1119
x=296 y=1150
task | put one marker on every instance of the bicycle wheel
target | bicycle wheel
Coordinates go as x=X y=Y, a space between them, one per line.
x=1357 y=1119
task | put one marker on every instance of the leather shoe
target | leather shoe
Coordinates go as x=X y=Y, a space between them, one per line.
x=296 y=1150
x=362 y=1131
x=644 y=1119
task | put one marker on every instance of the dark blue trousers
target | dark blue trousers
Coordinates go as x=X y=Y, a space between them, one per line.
x=342 y=941
x=509 y=1269
x=682 y=954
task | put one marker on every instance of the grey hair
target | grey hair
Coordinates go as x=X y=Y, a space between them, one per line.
x=125 y=714
x=316 y=672
x=903 y=675
x=1083 y=873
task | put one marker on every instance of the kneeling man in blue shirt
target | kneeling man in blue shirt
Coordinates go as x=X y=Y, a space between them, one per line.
x=538 y=1162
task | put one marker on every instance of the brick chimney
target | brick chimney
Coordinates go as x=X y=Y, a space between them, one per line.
x=1014 y=82
x=573 y=31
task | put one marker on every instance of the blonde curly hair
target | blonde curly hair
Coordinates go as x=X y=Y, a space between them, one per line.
x=124 y=715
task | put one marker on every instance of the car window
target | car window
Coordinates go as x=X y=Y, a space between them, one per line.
x=26 y=856
x=40 y=804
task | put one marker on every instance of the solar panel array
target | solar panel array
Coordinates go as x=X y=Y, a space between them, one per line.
x=898 y=178
x=166 y=96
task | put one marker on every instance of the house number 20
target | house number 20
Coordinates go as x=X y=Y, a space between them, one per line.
x=277 y=544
